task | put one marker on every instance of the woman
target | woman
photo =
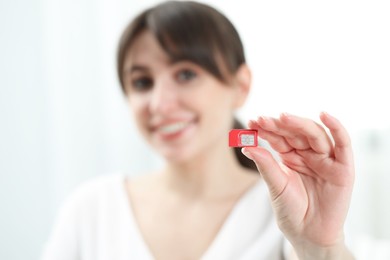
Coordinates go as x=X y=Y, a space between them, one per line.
x=182 y=67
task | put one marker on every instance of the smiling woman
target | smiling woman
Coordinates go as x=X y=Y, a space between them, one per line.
x=176 y=104
x=182 y=68
x=191 y=38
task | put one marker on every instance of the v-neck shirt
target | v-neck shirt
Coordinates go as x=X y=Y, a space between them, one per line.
x=98 y=223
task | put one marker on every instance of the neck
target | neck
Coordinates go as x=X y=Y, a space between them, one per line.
x=211 y=174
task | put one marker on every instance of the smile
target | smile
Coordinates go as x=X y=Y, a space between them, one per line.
x=173 y=128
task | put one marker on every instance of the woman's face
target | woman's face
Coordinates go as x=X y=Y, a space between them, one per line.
x=180 y=108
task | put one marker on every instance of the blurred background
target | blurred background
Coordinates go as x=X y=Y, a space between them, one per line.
x=64 y=120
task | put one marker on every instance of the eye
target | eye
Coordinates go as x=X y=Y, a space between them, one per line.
x=185 y=75
x=142 y=84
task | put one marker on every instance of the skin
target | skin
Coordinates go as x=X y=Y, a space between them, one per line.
x=312 y=184
x=310 y=188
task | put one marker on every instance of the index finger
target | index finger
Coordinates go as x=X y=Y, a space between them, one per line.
x=316 y=135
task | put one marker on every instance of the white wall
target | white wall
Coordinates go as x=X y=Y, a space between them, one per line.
x=63 y=119
x=23 y=101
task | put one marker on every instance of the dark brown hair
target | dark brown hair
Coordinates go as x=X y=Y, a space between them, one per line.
x=194 y=32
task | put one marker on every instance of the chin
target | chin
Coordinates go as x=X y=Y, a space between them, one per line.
x=177 y=155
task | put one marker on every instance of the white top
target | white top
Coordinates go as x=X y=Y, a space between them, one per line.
x=97 y=223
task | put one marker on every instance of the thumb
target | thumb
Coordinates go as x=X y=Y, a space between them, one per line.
x=269 y=168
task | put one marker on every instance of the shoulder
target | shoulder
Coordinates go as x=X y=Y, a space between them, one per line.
x=92 y=191
x=78 y=217
x=98 y=184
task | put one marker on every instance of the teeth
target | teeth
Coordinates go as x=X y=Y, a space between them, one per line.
x=172 y=128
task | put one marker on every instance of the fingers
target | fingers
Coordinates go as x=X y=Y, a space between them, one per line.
x=277 y=142
x=274 y=125
x=343 y=148
x=299 y=133
x=273 y=175
x=315 y=134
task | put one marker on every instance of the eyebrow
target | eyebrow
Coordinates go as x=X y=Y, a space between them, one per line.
x=135 y=68
x=143 y=68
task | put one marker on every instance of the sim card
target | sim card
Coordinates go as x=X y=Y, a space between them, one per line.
x=242 y=137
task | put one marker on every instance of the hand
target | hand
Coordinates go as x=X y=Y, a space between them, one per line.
x=311 y=186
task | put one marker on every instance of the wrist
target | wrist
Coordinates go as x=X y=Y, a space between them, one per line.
x=334 y=252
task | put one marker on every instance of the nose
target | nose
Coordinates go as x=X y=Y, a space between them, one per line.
x=164 y=97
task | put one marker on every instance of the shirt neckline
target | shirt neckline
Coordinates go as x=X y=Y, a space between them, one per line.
x=146 y=251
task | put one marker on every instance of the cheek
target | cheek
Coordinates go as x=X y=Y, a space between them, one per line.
x=216 y=109
x=139 y=108
x=212 y=95
x=218 y=102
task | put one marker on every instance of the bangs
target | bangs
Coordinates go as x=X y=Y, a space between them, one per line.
x=189 y=32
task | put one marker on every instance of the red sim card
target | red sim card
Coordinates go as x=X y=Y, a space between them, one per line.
x=242 y=137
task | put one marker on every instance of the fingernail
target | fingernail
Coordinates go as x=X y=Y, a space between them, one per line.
x=285 y=114
x=246 y=153
x=325 y=113
x=261 y=119
x=252 y=122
